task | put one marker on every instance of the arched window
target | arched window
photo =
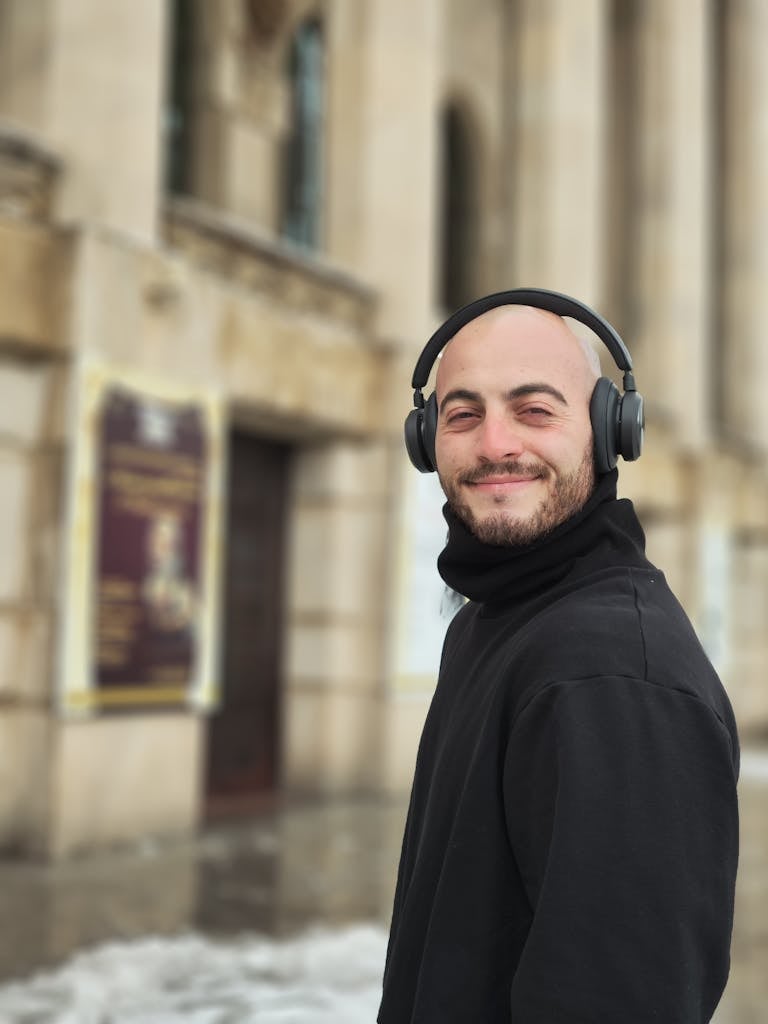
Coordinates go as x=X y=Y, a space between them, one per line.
x=457 y=226
x=303 y=154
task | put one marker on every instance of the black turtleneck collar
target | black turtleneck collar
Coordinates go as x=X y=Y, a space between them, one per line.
x=606 y=528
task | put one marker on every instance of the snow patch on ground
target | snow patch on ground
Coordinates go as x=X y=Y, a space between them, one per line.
x=321 y=977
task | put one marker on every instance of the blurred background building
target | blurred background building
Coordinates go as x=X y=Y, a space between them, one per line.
x=226 y=230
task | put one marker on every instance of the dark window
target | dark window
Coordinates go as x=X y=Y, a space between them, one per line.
x=622 y=228
x=457 y=226
x=178 y=119
x=303 y=153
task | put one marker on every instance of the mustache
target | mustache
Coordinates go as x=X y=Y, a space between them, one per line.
x=532 y=470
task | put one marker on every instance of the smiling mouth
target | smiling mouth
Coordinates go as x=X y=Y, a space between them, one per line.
x=502 y=479
x=504 y=474
x=505 y=478
x=505 y=481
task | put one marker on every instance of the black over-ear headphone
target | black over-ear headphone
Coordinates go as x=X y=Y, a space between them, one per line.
x=617 y=419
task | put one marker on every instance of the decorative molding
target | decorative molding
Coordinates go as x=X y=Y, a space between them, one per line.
x=242 y=254
x=28 y=173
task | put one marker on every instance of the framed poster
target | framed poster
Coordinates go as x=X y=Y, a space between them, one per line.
x=143 y=532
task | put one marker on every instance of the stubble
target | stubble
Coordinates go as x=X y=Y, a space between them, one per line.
x=504 y=529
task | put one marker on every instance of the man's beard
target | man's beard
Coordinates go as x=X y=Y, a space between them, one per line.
x=568 y=495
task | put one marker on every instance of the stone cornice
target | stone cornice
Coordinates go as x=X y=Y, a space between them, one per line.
x=28 y=171
x=225 y=245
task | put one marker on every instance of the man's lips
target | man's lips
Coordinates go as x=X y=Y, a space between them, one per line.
x=508 y=483
x=501 y=481
x=505 y=480
x=503 y=477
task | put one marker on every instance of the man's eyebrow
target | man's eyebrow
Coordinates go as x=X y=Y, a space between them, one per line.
x=519 y=392
x=451 y=396
x=536 y=389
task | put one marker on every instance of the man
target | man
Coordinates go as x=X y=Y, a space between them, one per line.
x=571 y=844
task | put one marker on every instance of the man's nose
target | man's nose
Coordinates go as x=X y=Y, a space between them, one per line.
x=500 y=438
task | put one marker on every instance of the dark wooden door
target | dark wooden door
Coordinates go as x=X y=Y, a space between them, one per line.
x=243 y=735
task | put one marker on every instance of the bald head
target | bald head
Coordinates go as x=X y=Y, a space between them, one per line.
x=539 y=327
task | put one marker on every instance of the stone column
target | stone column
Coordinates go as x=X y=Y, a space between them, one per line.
x=24 y=28
x=556 y=97
x=34 y=388
x=106 y=63
x=673 y=214
x=333 y=729
x=393 y=245
x=741 y=347
x=400 y=54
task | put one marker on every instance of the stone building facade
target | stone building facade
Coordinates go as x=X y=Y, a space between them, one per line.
x=270 y=204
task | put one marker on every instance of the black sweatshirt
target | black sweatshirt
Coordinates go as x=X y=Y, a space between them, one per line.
x=572 y=838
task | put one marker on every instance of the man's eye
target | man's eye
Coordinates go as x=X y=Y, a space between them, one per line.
x=536 y=410
x=461 y=414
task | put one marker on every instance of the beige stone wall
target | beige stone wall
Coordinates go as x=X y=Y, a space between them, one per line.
x=740 y=350
x=31 y=458
x=403 y=715
x=25 y=734
x=24 y=39
x=30 y=535
x=33 y=390
x=674 y=221
x=750 y=602
x=105 y=780
x=339 y=568
x=556 y=128
x=105 y=111
x=348 y=23
x=400 y=55
x=285 y=340
x=33 y=288
x=318 y=347
x=89 y=78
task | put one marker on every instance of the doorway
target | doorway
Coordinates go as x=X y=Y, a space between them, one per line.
x=243 y=761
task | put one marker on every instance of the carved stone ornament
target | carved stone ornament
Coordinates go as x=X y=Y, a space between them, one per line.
x=265 y=18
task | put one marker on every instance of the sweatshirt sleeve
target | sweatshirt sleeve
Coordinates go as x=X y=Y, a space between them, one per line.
x=620 y=799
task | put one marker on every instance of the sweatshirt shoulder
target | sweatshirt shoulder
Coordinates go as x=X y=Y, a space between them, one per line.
x=674 y=655
x=621 y=623
x=584 y=630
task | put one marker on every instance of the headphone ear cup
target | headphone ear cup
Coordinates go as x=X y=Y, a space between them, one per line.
x=429 y=430
x=414 y=441
x=604 y=415
x=631 y=425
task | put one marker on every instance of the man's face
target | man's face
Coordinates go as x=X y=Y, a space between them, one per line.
x=514 y=440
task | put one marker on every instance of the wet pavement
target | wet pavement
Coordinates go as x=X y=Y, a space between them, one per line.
x=250 y=898
x=332 y=864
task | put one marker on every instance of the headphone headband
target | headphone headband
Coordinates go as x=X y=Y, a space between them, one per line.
x=617 y=419
x=540 y=298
